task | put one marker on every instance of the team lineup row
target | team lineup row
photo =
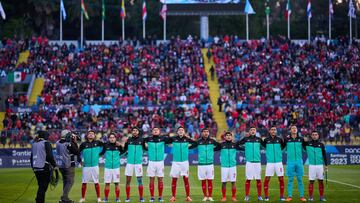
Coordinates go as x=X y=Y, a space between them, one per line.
x=134 y=146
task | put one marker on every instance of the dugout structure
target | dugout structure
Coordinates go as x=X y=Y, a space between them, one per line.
x=204 y=10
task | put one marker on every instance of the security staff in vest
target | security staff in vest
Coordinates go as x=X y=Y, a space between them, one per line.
x=66 y=150
x=42 y=163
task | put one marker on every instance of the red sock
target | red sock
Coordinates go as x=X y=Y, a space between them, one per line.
x=233 y=191
x=173 y=187
x=321 y=188
x=247 y=187
x=141 y=191
x=106 y=191
x=151 y=187
x=223 y=191
x=187 y=186
x=83 y=190
x=266 y=186
x=281 y=181
x=210 y=187
x=203 y=186
x=127 y=191
x=160 y=188
x=117 y=192
x=258 y=185
x=311 y=189
x=97 y=188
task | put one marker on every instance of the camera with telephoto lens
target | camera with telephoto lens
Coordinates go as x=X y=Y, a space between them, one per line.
x=72 y=137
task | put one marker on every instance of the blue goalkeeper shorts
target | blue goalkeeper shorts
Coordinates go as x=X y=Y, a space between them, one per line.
x=295 y=168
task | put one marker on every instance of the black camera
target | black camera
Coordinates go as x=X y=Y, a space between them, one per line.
x=72 y=137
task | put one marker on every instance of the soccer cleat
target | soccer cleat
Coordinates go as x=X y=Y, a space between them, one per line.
x=223 y=199
x=266 y=199
x=260 y=198
x=127 y=200
x=246 y=199
x=210 y=199
x=303 y=199
x=188 y=199
x=82 y=200
x=322 y=199
x=117 y=200
x=172 y=199
x=99 y=200
x=311 y=199
x=105 y=200
x=152 y=199
x=234 y=199
x=160 y=199
x=288 y=199
x=142 y=200
x=282 y=199
x=204 y=199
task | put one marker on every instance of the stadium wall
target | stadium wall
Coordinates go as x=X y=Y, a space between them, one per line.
x=336 y=155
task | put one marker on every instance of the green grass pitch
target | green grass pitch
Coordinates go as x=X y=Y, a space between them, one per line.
x=343 y=186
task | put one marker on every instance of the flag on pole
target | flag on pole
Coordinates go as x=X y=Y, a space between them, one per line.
x=351 y=13
x=288 y=9
x=83 y=9
x=16 y=76
x=248 y=8
x=331 y=8
x=2 y=12
x=62 y=8
x=122 y=11
x=267 y=7
x=144 y=11
x=103 y=9
x=308 y=9
x=163 y=11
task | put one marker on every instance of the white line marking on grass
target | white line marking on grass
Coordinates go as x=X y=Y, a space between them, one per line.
x=342 y=183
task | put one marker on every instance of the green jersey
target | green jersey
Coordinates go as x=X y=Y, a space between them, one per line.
x=206 y=148
x=180 y=148
x=228 y=154
x=316 y=153
x=274 y=147
x=90 y=152
x=156 y=147
x=252 y=148
x=294 y=148
x=134 y=147
x=112 y=155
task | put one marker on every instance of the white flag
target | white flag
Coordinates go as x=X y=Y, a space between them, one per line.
x=2 y=12
x=62 y=7
x=351 y=13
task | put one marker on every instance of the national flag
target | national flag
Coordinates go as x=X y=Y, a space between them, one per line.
x=103 y=9
x=351 y=13
x=16 y=76
x=331 y=8
x=248 y=8
x=122 y=11
x=267 y=7
x=2 y=12
x=288 y=9
x=83 y=9
x=308 y=9
x=163 y=11
x=144 y=11
x=62 y=8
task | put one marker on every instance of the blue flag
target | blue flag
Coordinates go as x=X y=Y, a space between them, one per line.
x=62 y=8
x=248 y=8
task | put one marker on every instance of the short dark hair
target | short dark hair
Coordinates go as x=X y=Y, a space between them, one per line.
x=228 y=133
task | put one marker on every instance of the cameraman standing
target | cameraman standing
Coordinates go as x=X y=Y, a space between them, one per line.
x=42 y=163
x=66 y=150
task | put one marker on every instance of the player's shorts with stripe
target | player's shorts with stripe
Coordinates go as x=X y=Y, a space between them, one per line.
x=272 y=168
x=130 y=168
x=112 y=175
x=316 y=172
x=155 y=168
x=253 y=171
x=228 y=174
x=90 y=174
x=179 y=169
x=206 y=172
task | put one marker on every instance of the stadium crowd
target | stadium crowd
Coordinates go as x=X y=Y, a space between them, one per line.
x=313 y=85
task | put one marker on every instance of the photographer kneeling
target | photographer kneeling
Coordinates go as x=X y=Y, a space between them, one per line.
x=66 y=150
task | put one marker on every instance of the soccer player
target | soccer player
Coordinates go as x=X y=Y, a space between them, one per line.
x=206 y=147
x=294 y=146
x=274 y=146
x=317 y=161
x=228 y=165
x=180 y=164
x=90 y=151
x=134 y=148
x=112 y=166
x=253 y=161
x=155 y=145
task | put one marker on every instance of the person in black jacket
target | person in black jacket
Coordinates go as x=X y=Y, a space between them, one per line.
x=42 y=163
